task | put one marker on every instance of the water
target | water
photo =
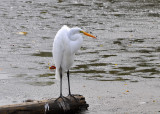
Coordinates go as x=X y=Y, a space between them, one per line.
x=127 y=48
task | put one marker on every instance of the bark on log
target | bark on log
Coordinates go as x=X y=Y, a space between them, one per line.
x=67 y=105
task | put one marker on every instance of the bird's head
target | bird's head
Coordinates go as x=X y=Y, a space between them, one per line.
x=78 y=30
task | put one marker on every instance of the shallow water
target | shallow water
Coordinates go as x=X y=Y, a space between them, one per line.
x=127 y=47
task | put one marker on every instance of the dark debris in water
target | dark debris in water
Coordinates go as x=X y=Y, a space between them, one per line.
x=127 y=68
x=42 y=83
x=43 y=54
x=106 y=56
x=145 y=51
x=89 y=71
x=153 y=14
x=45 y=75
x=144 y=64
x=98 y=64
x=124 y=73
x=114 y=72
x=152 y=70
x=85 y=66
x=115 y=79
x=149 y=77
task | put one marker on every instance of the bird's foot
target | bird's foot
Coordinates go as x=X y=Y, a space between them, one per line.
x=71 y=97
x=63 y=102
x=61 y=98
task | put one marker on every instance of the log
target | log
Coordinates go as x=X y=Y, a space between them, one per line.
x=65 y=105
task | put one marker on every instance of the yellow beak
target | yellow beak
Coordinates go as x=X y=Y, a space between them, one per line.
x=87 y=34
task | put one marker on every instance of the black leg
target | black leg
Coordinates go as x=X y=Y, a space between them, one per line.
x=60 y=82
x=63 y=102
x=70 y=95
x=68 y=83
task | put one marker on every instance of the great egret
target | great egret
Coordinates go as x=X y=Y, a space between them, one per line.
x=66 y=43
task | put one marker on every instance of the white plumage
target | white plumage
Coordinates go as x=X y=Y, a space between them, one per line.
x=66 y=43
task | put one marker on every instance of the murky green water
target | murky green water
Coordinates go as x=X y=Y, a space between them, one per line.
x=127 y=47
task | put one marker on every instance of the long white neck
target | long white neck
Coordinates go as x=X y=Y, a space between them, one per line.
x=76 y=45
x=76 y=39
x=72 y=34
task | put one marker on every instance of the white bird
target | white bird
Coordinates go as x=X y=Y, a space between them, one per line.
x=66 y=43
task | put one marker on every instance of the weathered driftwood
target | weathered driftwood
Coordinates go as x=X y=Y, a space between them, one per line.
x=67 y=105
